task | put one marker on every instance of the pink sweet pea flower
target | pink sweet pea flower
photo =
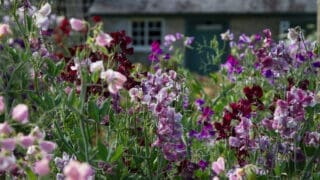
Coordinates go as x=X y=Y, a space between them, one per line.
x=103 y=39
x=4 y=30
x=42 y=167
x=20 y=113
x=114 y=79
x=218 y=166
x=2 y=105
x=77 y=24
x=5 y=128
x=77 y=171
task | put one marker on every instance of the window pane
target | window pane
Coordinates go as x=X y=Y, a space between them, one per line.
x=134 y=24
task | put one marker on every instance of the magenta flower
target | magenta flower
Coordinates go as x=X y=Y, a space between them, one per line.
x=77 y=24
x=42 y=167
x=77 y=171
x=4 y=30
x=115 y=80
x=20 y=113
x=218 y=166
x=233 y=67
x=104 y=39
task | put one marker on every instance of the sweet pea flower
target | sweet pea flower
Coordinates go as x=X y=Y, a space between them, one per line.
x=2 y=105
x=227 y=36
x=5 y=128
x=8 y=144
x=96 y=66
x=103 y=39
x=218 y=166
x=26 y=141
x=7 y=162
x=45 y=10
x=4 y=30
x=114 y=79
x=42 y=167
x=41 y=17
x=77 y=171
x=77 y=24
x=293 y=35
x=20 y=113
x=47 y=146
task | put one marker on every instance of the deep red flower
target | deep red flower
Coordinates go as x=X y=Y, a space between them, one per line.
x=96 y=19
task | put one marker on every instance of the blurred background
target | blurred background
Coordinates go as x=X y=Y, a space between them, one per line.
x=149 y=20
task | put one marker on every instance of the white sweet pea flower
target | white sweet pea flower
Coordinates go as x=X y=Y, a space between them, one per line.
x=96 y=66
x=45 y=10
x=41 y=17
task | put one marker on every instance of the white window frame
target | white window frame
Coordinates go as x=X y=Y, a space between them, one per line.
x=146 y=46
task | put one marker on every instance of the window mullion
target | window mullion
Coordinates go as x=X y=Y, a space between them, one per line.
x=146 y=36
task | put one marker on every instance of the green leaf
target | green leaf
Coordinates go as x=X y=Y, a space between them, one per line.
x=95 y=76
x=117 y=154
x=103 y=152
x=31 y=175
x=93 y=110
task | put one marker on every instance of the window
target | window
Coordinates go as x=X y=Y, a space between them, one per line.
x=144 y=32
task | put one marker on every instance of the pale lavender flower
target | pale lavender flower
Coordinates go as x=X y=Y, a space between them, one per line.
x=188 y=41
x=7 y=162
x=5 y=128
x=26 y=141
x=227 y=36
x=47 y=146
x=8 y=144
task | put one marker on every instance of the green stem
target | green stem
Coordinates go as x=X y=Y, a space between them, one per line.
x=82 y=125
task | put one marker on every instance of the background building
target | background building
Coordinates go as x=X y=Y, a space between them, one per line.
x=149 y=20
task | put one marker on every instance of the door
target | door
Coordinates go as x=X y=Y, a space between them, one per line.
x=198 y=59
